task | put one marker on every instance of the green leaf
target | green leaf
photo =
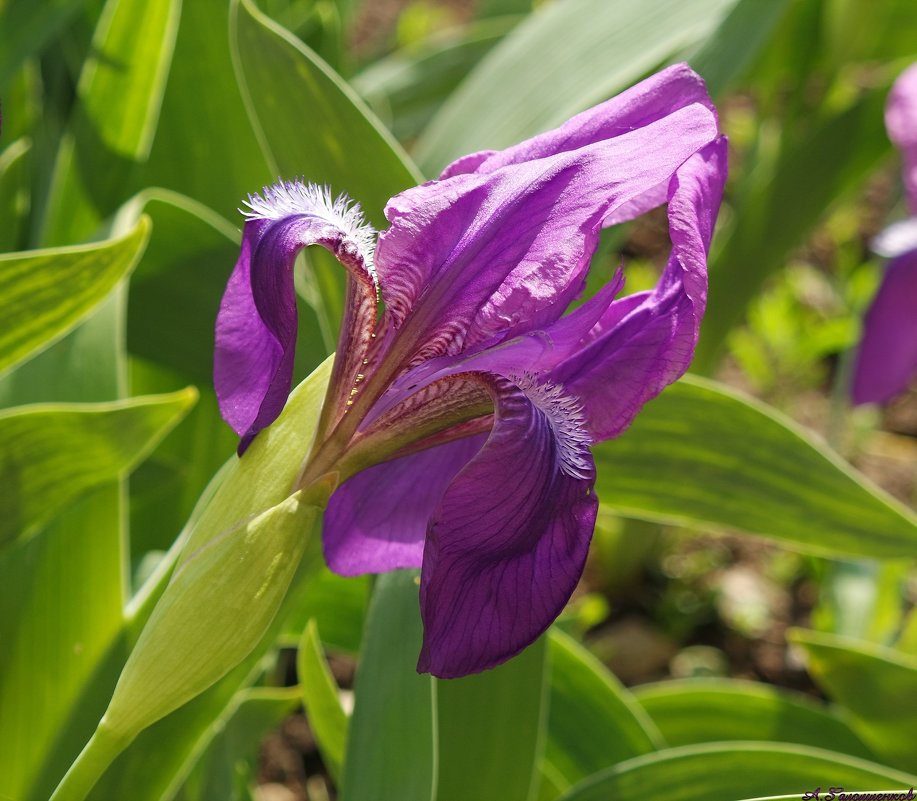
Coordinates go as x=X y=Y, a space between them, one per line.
x=732 y=48
x=490 y=728
x=593 y=721
x=321 y=701
x=407 y=87
x=54 y=454
x=693 y=711
x=228 y=766
x=309 y=121
x=45 y=293
x=338 y=605
x=872 y=684
x=703 y=456
x=205 y=147
x=391 y=751
x=119 y=94
x=562 y=59
x=27 y=27
x=729 y=770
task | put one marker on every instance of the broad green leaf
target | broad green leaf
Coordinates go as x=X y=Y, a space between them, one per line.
x=27 y=27
x=55 y=454
x=309 y=121
x=160 y=758
x=780 y=202
x=703 y=456
x=407 y=87
x=391 y=745
x=490 y=729
x=693 y=711
x=205 y=147
x=228 y=766
x=722 y=58
x=729 y=770
x=321 y=700
x=562 y=59
x=45 y=293
x=593 y=721
x=119 y=94
x=873 y=684
x=62 y=591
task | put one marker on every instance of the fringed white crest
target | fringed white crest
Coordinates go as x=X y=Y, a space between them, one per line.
x=567 y=418
x=287 y=198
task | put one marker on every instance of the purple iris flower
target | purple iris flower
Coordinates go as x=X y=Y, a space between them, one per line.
x=886 y=360
x=456 y=431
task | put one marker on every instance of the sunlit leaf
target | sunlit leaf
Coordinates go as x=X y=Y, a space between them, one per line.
x=726 y=771
x=321 y=701
x=45 y=293
x=54 y=454
x=871 y=683
x=703 y=456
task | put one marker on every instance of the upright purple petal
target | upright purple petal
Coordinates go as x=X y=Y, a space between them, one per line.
x=508 y=542
x=504 y=252
x=377 y=520
x=886 y=360
x=901 y=122
x=644 y=343
x=256 y=324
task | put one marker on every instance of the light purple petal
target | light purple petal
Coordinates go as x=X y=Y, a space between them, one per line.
x=886 y=361
x=377 y=520
x=507 y=544
x=643 y=343
x=901 y=122
x=256 y=324
x=476 y=256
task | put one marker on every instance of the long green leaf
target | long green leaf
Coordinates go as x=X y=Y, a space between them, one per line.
x=490 y=730
x=703 y=456
x=561 y=60
x=872 y=683
x=45 y=293
x=391 y=746
x=321 y=701
x=593 y=721
x=729 y=770
x=54 y=454
x=695 y=711
x=120 y=91
x=309 y=121
x=14 y=187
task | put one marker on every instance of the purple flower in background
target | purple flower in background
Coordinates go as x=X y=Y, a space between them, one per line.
x=456 y=430
x=887 y=356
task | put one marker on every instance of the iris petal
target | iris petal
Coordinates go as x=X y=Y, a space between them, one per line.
x=508 y=542
x=887 y=357
x=257 y=321
x=484 y=255
x=901 y=122
x=377 y=520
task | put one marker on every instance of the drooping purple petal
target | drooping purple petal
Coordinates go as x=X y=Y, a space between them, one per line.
x=644 y=343
x=377 y=520
x=505 y=252
x=886 y=360
x=901 y=122
x=256 y=324
x=508 y=542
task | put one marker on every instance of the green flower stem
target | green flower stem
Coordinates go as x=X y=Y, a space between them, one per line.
x=101 y=750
